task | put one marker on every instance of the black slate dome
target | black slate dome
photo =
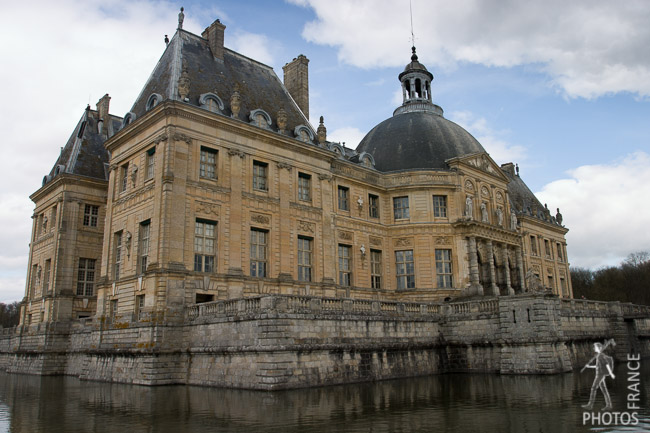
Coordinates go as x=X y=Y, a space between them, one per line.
x=417 y=136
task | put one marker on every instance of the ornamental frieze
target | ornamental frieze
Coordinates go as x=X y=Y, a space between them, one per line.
x=236 y=152
x=403 y=242
x=443 y=240
x=260 y=218
x=346 y=235
x=374 y=241
x=305 y=226
x=206 y=208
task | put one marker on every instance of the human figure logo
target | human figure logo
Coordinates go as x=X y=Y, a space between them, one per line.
x=604 y=367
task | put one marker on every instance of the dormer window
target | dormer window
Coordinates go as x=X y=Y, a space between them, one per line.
x=211 y=102
x=153 y=100
x=260 y=118
x=128 y=118
x=303 y=134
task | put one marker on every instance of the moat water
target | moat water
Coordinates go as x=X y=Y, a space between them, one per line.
x=446 y=403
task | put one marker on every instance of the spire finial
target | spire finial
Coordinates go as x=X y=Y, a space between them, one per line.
x=414 y=57
x=412 y=33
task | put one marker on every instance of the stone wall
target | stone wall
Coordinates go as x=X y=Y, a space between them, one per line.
x=276 y=342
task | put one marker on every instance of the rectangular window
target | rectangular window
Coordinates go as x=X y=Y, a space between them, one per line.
x=440 y=206
x=401 y=207
x=208 y=167
x=260 y=176
x=117 y=255
x=143 y=246
x=533 y=245
x=113 y=309
x=304 y=258
x=547 y=248
x=125 y=177
x=375 y=269
x=205 y=242
x=405 y=269
x=344 y=198
x=35 y=280
x=151 y=160
x=565 y=292
x=90 y=215
x=258 y=252
x=443 y=268
x=53 y=218
x=139 y=304
x=373 y=206
x=550 y=282
x=304 y=187
x=345 y=265
x=559 y=252
x=86 y=277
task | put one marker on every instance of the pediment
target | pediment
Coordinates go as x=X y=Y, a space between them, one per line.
x=482 y=162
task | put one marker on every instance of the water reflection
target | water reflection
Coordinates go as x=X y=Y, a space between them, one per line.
x=451 y=403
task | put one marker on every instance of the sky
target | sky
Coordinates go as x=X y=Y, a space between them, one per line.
x=561 y=88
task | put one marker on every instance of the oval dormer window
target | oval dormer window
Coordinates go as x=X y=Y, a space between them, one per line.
x=153 y=100
x=211 y=102
x=128 y=118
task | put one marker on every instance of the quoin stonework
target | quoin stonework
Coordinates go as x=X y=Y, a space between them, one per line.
x=213 y=235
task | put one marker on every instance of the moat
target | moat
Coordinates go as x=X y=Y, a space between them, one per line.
x=450 y=403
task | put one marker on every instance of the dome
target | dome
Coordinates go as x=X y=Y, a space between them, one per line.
x=417 y=136
x=417 y=139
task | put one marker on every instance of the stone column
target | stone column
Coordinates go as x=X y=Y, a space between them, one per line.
x=494 y=290
x=235 y=240
x=475 y=287
x=506 y=270
x=520 y=268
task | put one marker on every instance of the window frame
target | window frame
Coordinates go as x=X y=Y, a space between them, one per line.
x=91 y=215
x=304 y=187
x=204 y=259
x=440 y=209
x=208 y=168
x=260 y=176
x=405 y=269
x=444 y=276
x=401 y=209
x=86 y=285
x=118 y=254
x=345 y=265
x=305 y=258
x=373 y=206
x=124 y=179
x=144 y=237
x=376 y=269
x=259 y=252
x=343 y=198
x=150 y=163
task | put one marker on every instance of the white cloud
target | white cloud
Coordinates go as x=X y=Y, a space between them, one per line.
x=606 y=208
x=348 y=135
x=499 y=149
x=588 y=47
x=253 y=45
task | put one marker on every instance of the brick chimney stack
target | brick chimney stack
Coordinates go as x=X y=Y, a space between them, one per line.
x=214 y=34
x=296 y=80
x=102 y=109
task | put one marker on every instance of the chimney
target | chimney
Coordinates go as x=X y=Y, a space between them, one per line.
x=214 y=35
x=509 y=168
x=102 y=110
x=296 y=80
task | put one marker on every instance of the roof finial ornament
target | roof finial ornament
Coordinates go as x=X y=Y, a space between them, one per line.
x=166 y=40
x=517 y=168
x=414 y=57
x=181 y=17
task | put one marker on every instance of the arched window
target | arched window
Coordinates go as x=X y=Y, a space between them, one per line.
x=211 y=102
x=260 y=118
x=303 y=134
x=153 y=100
x=128 y=118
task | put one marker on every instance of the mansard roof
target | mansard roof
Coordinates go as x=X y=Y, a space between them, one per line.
x=189 y=55
x=84 y=153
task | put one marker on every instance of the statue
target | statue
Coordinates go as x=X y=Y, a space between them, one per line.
x=558 y=217
x=184 y=83
x=513 y=221
x=500 y=217
x=484 y=213
x=282 y=120
x=181 y=18
x=469 y=207
x=533 y=283
x=235 y=102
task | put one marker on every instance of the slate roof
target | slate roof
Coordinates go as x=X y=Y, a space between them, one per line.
x=84 y=153
x=524 y=201
x=259 y=86
x=419 y=139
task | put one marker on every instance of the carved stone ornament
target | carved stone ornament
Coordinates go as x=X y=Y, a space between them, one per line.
x=375 y=241
x=182 y=137
x=403 y=242
x=321 y=132
x=260 y=219
x=469 y=186
x=207 y=208
x=184 y=83
x=162 y=137
x=345 y=236
x=499 y=197
x=235 y=102
x=322 y=176
x=236 y=152
x=284 y=165
x=485 y=192
x=305 y=226
x=134 y=174
x=282 y=120
x=443 y=240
